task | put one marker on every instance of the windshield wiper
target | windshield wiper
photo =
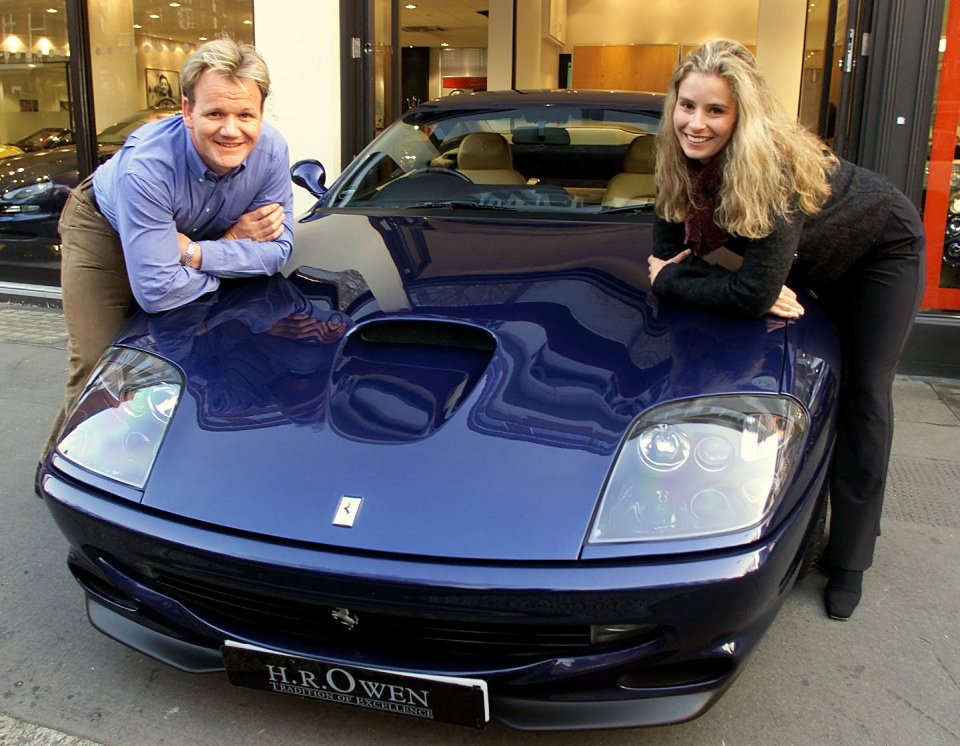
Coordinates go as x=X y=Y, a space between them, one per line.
x=648 y=207
x=451 y=204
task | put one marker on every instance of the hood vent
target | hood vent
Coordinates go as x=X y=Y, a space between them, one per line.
x=400 y=381
x=432 y=333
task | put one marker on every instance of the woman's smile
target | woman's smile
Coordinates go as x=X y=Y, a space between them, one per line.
x=705 y=115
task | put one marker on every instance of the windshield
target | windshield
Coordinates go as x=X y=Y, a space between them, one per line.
x=547 y=157
x=117 y=133
x=44 y=138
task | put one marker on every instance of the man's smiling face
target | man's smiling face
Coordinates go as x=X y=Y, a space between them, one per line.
x=224 y=120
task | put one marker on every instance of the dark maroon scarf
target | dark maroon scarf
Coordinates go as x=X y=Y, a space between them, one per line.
x=702 y=234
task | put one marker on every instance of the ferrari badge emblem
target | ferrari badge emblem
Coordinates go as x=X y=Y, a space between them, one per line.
x=347 y=511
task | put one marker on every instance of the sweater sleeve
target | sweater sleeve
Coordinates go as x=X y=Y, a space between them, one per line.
x=667 y=238
x=749 y=291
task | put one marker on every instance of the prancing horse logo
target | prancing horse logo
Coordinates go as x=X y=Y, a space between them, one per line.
x=347 y=511
x=345 y=618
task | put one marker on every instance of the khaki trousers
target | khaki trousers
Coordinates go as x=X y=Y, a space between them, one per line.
x=97 y=300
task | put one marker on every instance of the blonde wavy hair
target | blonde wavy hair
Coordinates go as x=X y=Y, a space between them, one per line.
x=772 y=165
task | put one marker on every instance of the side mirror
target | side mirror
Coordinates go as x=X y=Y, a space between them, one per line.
x=310 y=175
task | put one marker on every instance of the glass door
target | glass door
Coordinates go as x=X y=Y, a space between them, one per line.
x=817 y=112
x=844 y=107
x=369 y=72
x=36 y=124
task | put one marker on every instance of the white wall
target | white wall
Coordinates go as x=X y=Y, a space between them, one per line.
x=594 y=22
x=537 y=57
x=500 y=45
x=117 y=87
x=780 y=33
x=529 y=44
x=304 y=61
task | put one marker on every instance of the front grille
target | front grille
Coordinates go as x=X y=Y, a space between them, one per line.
x=374 y=631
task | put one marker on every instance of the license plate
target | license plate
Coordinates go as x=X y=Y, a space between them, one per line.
x=446 y=699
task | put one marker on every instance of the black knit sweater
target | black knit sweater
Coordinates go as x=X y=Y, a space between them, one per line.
x=811 y=251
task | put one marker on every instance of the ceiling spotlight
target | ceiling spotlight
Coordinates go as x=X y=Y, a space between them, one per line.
x=444 y=44
x=410 y=6
x=153 y=15
x=137 y=25
x=248 y=22
x=203 y=38
x=52 y=10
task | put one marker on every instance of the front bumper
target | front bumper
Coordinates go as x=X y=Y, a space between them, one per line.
x=702 y=616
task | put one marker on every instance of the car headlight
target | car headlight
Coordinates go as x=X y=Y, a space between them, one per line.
x=29 y=191
x=699 y=468
x=120 y=418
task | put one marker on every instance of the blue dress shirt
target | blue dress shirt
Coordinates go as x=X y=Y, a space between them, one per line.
x=157 y=186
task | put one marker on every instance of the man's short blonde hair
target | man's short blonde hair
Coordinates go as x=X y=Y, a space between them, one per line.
x=227 y=57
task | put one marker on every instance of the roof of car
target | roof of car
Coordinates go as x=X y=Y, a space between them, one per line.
x=565 y=97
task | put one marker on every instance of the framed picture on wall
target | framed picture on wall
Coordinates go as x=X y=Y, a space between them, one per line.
x=163 y=87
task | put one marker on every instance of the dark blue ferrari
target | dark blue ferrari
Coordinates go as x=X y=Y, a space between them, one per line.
x=458 y=463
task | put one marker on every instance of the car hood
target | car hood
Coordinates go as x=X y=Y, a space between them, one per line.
x=470 y=380
x=60 y=165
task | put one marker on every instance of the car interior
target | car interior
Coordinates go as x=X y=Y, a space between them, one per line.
x=509 y=162
x=485 y=158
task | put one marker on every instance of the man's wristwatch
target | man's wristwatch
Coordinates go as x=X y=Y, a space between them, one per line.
x=188 y=254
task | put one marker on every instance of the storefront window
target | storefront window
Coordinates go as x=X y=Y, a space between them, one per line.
x=941 y=209
x=137 y=48
x=35 y=124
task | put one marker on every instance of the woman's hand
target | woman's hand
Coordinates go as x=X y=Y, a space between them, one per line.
x=654 y=265
x=263 y=224
x=786 y=306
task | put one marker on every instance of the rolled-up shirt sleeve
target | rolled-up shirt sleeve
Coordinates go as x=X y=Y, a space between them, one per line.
x=667 y=238
x=151 y=248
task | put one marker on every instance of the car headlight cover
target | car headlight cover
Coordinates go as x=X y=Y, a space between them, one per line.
x=118 y=423
x=28 y=191
x=699 y=468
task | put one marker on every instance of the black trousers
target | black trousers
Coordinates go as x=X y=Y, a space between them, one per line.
x=873 y=306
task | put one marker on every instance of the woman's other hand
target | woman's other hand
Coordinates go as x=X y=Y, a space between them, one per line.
x=787 y=306
x=654 y=265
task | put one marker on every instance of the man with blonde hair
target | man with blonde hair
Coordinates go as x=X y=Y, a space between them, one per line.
x=187 y=200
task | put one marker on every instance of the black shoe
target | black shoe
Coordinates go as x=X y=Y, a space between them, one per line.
x=36 y=480
x=843 y=593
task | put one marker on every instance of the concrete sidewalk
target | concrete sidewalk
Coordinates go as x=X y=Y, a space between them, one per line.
x=890 y=675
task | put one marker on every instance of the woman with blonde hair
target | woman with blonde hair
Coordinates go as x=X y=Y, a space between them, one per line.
x=734 y=171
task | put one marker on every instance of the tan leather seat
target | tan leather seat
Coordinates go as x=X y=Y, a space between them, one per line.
x=485 y=158
x=636 y=185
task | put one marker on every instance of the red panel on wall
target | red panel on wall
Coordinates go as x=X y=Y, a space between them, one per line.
x=942 y=291
x=465 y=83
